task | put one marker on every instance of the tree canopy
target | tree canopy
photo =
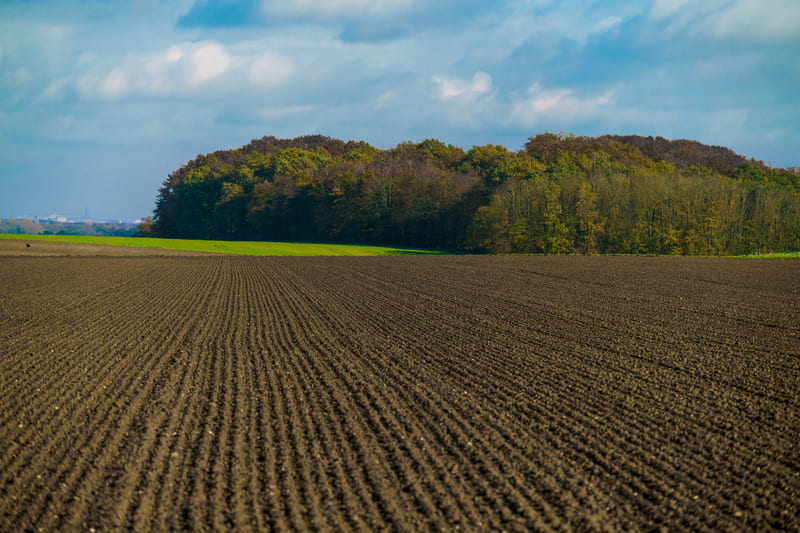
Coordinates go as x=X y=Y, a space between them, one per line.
x=559 y=194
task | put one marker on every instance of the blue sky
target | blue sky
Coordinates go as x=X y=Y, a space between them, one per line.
x=101 y=99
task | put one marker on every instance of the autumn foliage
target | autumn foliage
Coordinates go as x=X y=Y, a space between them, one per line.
x=559 y=194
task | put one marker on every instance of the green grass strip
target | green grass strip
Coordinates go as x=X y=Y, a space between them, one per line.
x=229 y=247
x=785 y=255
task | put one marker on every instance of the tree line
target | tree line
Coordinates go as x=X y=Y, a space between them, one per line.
x=559 y=194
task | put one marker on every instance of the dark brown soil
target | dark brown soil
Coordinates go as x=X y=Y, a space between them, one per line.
x=402 y=393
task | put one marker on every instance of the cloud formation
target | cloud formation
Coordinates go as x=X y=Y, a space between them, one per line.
x=754 y=20
x=195 y=76
x=186 y=69
x=177 y=69
x=480 y=84
x=540 y=105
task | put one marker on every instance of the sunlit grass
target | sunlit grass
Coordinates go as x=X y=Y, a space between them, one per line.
x=266 y=248
x=785 y=255
x=229 y=247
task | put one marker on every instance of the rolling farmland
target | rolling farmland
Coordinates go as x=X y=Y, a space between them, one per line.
x=402 y=393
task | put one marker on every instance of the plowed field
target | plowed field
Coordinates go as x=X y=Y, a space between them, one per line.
x=402 y=393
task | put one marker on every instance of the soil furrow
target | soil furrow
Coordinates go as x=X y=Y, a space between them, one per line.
x=94 y=431
x=403 y=393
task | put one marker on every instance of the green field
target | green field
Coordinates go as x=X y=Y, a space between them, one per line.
x=228 y=247
x=260 y=248
x=784 y=255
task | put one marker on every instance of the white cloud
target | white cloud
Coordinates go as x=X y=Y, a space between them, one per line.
x=560 y=103
x=173 y=54
x=114 y=84
x=174 y=70
x=481 y=84
x=207 y=62
x=606 y=24
x=183 y=69
x=465 y=103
